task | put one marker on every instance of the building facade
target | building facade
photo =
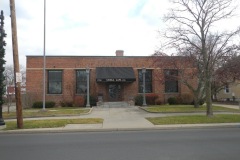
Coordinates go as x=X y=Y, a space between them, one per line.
x=113 y=78
x=230 y=92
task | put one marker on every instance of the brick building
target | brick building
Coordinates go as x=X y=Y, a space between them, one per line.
x=114 y=78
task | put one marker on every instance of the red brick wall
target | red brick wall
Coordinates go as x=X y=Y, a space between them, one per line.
x=69 y=64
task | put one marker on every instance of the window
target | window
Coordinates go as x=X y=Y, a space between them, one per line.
x=55 y=82
x=227 y=89
x=171 y=81
x=81 y=86
x=148 y=81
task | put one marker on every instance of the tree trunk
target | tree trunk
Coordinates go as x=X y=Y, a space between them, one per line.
x=196 y=101
x=207 y=75
x=196 y=104
x=208 y=96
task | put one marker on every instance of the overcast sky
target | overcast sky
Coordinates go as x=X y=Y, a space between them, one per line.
x=87 y=27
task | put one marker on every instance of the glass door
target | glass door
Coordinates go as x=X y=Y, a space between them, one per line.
x=114 y=91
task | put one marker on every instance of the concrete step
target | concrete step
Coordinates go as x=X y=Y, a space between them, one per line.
x=114 y=104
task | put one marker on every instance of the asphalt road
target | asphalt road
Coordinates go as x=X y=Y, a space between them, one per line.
x=185 y=144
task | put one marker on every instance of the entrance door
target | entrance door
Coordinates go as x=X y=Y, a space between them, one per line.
x=114 y=91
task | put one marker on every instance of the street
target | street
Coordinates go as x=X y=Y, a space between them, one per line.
x=181 y=144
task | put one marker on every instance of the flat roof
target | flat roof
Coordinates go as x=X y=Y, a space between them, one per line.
x=65 y=56
x=80 y=56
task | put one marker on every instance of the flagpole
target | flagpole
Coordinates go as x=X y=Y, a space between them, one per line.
x=44 y=57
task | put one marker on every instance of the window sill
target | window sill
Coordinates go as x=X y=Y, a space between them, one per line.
x=146 y=93
x=82 y=94
x=48 y=94
x=171 y=93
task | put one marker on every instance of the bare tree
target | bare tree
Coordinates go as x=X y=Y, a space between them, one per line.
x=197 y=88
x=191 y=24
x=189 y=71
x=9 y=74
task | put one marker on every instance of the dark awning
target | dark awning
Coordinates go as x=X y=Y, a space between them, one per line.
x=115 y=74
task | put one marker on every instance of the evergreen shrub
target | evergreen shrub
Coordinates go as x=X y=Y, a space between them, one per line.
x=172 y=100
x=138 y=100
x=92 y=100
x=48 y=104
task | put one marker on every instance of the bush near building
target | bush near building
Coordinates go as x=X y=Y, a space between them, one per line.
x=79 y=101
x=151 y=99
x=66 y=104
x=172 y=100
x=49 y=104
x=138 y=100
x=185 y=99
x=92 y=99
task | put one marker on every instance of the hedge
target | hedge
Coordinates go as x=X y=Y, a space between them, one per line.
x=48 y=104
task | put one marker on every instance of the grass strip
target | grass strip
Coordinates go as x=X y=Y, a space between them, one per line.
x=195 y=119
x=48 y=113
x=184 y=109
x=28 y=124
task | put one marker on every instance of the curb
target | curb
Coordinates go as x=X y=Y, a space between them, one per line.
x=156 y=127
x=143 y=108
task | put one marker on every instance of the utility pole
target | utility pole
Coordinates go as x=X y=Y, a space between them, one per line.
x=17 y=74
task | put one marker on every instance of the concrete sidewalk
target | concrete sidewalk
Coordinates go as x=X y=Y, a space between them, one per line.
x=228 y=106
x=115 y=119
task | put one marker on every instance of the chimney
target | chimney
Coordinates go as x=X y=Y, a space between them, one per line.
x=119 y=52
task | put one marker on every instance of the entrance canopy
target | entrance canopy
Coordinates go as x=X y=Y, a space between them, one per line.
x=115 y=74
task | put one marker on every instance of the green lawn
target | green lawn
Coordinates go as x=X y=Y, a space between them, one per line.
x=11 y=125
x=50 y=112
x=195 y=119
x=184 y=109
